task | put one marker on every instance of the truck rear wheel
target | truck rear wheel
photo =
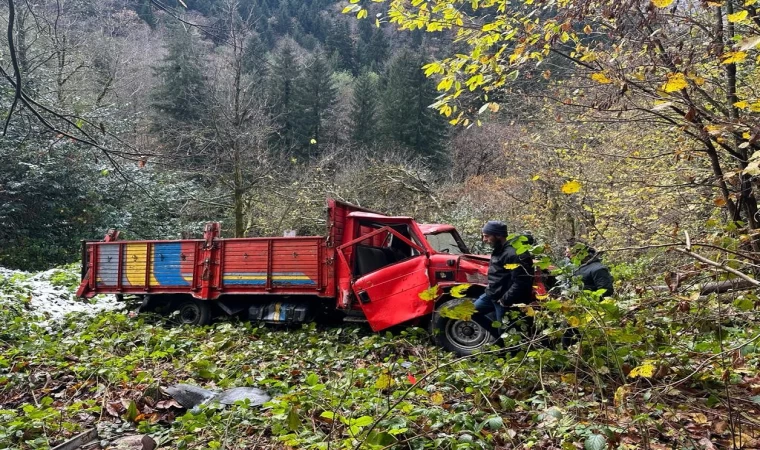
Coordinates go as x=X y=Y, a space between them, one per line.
x=194 y=312
x=463 y=337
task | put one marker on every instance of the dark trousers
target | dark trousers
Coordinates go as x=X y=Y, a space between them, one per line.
x=485 y=306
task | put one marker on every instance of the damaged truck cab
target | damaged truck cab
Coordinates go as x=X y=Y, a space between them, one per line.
x=384 y=269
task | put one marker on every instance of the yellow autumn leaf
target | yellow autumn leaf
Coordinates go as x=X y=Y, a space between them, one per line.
x=462 y=311
x=744 y=440
x=436 y=398
x=535 y=178
x=734 y=57
x=571 y=187
x=573 y=321
x=430 y=294
x=511 y=266
x=676 y=82
x=742 y=104
x=600 y=78
x=384 y=381
x=587 y=29
x=699 y=81
x=645 y=371
x=621 y=394
x=662 y=3
x=529 y=311
x=567 y=378
x=313 y=141
x=542 y=297
x=755 y=107
x=362 y=14
x=738 y=16
x=459 y=291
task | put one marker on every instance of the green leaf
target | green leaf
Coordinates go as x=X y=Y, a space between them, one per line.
x=132 y=412
x=328 y=415
x=744 y=304
x=493 y=423
x=595 y=442
x=312 y=379
x=553 y=305
x=712 y=400
x=363 y=421
x=293 y=421
x=755 y=399
x=381 y=439
x=507 y=403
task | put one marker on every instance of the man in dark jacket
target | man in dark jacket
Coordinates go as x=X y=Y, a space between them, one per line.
x=510 y=276
x=594 y=274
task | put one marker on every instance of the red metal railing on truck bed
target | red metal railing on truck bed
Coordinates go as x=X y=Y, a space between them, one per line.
x=207 y=268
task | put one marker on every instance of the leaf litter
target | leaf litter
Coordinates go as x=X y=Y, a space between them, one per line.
x=353 y=388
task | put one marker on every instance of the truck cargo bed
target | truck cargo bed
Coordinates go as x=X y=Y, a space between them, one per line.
x=206 y=268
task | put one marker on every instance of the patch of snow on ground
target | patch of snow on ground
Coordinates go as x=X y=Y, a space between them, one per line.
x=49 y=301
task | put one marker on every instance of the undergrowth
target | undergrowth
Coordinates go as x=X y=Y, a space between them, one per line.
x=646 y=372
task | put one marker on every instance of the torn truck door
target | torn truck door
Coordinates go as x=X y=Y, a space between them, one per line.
x=387 y=285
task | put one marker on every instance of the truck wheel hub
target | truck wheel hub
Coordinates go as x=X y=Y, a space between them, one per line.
x=465 y=333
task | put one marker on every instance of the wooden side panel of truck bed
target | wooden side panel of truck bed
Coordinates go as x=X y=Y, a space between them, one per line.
x=288 y=266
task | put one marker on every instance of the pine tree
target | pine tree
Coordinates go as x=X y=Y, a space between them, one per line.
x=377 y=50
x=283 y=19
x=145 y=12
x=285 y=72
x=406 y=117
x=340 y=45
x=181 y=94
x=364 y=109
x=364 y=56
x=254 y=59
x=317 y=96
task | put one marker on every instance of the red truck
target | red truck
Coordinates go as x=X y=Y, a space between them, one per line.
x=380 y=268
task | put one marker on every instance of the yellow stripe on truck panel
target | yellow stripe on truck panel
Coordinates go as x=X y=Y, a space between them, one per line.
x=264 y=277
x=135 y=258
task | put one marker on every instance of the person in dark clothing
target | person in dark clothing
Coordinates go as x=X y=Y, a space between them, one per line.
x=594 y=274
x=510 y=277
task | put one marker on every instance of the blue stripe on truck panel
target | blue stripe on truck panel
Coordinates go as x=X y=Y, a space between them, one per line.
x=167 y=264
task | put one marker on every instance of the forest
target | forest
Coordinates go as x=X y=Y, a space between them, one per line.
x=631 y=125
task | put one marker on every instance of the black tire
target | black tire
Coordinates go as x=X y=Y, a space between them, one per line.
x=194 y=312
x=463 y=337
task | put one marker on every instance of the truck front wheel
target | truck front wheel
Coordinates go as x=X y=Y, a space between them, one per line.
x=463 y=337
x=194 y=312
